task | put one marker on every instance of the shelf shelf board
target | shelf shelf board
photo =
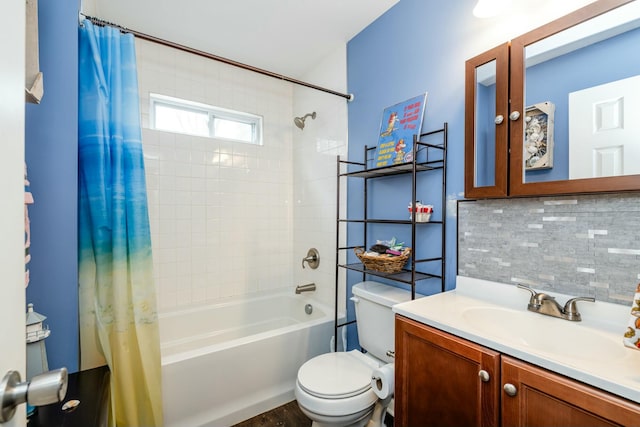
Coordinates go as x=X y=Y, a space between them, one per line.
x=350 y=322
x=429 y=260
x=387 y=221
x=404 y=276
x=402 y=168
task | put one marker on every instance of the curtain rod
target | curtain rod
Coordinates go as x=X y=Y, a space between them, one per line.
x=101 y=22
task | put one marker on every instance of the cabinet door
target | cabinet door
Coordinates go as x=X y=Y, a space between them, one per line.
x=438 y=380
x=486 y=123
x=546 y=71
x=546 y=399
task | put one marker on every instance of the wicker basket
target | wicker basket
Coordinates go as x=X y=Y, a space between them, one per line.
x=382 y=263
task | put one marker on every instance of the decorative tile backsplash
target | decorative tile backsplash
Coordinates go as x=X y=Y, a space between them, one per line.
x=576 y=245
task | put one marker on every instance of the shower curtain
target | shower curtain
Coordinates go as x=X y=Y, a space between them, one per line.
x=117 y=297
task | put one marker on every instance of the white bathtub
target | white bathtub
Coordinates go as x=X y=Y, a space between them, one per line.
x=224 y=363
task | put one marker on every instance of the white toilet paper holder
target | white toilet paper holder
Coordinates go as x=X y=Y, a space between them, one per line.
x=382 y=381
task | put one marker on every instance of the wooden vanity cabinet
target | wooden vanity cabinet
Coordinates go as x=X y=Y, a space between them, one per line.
x=439 y=383
x=546 y=399
x=437 y=379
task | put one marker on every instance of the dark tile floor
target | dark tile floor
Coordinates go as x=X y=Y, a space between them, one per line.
x=288 y=415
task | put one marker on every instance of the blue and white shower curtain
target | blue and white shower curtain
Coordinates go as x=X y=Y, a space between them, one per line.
x=117 y=297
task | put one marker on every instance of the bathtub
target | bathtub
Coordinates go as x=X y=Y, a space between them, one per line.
x=224 y=363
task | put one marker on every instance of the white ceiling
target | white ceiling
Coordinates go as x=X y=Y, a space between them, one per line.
x=283 y=36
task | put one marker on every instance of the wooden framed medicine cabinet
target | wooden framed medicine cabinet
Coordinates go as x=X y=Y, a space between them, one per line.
x=554 y=111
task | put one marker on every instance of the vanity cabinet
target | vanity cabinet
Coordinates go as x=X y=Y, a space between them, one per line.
x=543 y=398
x=438 y=380
x=444 y=380
x=544 y=116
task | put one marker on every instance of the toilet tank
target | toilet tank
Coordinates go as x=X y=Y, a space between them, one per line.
x=375 y=320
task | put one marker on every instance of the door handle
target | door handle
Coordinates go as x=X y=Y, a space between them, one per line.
x=510 y=389
x=43 y=389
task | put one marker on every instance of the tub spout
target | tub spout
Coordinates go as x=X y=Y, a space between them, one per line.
x=305 y=288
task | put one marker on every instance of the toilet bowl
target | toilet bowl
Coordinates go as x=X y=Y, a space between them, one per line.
x=334 y=389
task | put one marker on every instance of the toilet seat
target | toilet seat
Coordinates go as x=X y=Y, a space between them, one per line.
x=337 y=384
x=335 y=376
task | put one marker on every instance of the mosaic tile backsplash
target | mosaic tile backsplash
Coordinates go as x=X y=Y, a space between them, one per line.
x=575 y=245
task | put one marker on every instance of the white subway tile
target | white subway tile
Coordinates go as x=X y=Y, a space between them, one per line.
x=220 y=206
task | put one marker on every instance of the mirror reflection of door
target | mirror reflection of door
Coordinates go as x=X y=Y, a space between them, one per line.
x=604 y=130
x=592 y=54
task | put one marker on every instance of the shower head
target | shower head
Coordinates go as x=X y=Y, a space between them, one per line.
x=299 y=121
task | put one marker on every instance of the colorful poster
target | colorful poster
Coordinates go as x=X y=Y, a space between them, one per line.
x=399 y=123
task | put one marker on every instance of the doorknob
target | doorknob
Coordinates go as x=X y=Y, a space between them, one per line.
x=43 y=389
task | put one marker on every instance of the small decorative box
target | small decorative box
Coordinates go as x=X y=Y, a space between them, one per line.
x=423 y=212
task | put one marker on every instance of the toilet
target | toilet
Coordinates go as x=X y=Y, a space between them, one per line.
x=335 y=389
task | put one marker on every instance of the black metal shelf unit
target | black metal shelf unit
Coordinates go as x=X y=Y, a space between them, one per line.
x=435 y=156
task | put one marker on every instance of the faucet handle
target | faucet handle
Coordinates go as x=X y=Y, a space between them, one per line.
x=571 y=308
x=312 y=258
x=534 y=294
x=527 y=288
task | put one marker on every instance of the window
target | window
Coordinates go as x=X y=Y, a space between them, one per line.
x=192 y=118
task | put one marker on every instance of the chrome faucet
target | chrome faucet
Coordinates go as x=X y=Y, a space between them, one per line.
x=312 y=258
x=546 y=304
x=305 y=288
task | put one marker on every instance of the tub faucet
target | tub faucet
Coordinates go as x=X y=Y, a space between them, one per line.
x=305 y=288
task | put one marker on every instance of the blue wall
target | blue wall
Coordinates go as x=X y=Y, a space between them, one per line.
x=51 y=155
x=411 y=49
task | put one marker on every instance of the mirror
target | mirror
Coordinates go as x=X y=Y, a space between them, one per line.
x=485 y=129
x=582 y=90
x=579 y=91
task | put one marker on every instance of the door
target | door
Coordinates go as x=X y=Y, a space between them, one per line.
x=604 y=129
x=534 y=397
x=486 y=123
x=442 y=380
x=12 y=106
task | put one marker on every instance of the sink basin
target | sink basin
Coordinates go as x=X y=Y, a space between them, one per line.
x=544 y=333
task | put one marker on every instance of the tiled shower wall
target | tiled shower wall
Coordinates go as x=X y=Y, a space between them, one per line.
x=314 y=187
x=231 y=219
x=220 y=212
x=576 y=245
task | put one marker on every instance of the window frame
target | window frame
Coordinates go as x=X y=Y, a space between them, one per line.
x=213 y=112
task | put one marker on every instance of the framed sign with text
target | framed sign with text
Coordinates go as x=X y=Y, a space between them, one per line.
x=399 y=123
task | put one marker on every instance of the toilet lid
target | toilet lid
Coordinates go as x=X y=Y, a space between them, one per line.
x=335 y=376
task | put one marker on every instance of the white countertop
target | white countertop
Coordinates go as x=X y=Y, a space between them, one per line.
x=608 y=364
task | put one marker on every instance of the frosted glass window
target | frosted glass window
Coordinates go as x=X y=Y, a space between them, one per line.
x=231 y=129
x=188 y=117
x=174 y=119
